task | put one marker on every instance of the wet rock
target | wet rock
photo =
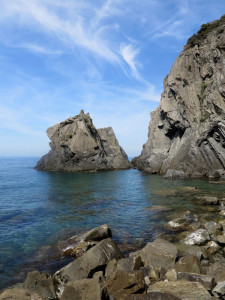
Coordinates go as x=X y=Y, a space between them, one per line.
x=187 y=222
x=197 y=237
x=90 y=262
x=222 y=213
x=78 y=249
x=158 y=254
x=79 y=244
x=188 y=264
x=208 y=200
x=86 y=289
x=181 y=289
x=159 y=208
x=207 y=281
x=219 y=290
x=175 y=174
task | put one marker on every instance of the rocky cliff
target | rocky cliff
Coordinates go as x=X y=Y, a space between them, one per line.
x=76 y=145
x=187 y=130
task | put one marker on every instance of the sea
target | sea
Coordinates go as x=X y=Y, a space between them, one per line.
x=38 y=209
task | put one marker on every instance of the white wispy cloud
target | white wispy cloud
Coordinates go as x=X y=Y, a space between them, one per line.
x=129 y=54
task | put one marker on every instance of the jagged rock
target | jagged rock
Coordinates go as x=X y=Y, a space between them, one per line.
x=219 y=290
x=86 y=265
x=187 y=130
x=189 y=264
x=123 y=282
x=207 y=281
x=181 y=289
x=197 y=237
x=158 y=254
x=76 y=145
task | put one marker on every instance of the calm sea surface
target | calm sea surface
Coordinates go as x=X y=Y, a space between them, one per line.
x=39 y=208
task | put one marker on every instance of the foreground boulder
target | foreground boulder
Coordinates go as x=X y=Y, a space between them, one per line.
x=187 y=130
x=76 y=145
x=158 y=254
x=181 y=289
x=86 y=265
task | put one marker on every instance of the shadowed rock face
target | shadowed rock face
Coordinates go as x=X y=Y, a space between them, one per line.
x=76 y=145
x=187 y=130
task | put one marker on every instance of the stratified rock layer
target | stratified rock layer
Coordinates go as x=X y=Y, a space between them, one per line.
x=187 y=130
x=76 y=145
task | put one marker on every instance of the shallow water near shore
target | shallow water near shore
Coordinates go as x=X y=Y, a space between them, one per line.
x=40 y=208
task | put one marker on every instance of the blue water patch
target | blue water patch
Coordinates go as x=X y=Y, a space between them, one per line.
x=37 y=207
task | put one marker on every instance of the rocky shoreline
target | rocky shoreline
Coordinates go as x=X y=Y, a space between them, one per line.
x=188 y=263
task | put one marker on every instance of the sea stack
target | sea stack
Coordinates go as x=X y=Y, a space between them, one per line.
x=187 y=130
x=76 y=145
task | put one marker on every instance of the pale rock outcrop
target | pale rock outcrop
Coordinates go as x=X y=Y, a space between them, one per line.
x=187 y=130
x=76 y=145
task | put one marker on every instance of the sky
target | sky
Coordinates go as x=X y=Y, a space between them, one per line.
x=108 y=57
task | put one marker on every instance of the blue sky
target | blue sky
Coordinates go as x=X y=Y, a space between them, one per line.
x=106 y=57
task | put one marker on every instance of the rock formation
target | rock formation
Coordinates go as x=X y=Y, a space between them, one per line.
x=76 y=145
x=187 y=130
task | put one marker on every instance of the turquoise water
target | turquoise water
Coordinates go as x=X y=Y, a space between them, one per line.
x=37 y=207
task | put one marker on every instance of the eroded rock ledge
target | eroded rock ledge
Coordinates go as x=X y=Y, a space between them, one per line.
x=76 y=145
x=187 y=130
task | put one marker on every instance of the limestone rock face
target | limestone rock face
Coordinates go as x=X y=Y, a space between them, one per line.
x=187 y=130
x=76 y=145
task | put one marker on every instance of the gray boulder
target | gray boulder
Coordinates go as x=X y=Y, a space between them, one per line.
x=76 y=145
x=86 y=289
x=158 y=254
x=181 y=289
x=207 y=281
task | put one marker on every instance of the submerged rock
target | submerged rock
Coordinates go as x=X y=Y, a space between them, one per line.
x=76 y=145
x=186 y=222
x=187 y=130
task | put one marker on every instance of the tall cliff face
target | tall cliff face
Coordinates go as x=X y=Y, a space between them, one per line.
x=187 y=130
x=76 y=145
